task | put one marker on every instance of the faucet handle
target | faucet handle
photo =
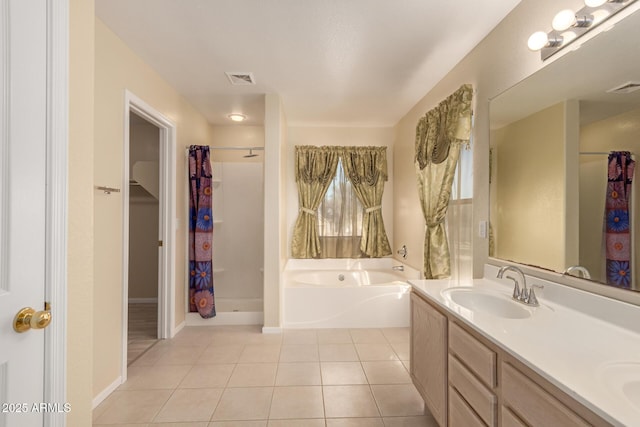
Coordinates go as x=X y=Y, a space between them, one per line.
x=531 y=298
x=516 y=288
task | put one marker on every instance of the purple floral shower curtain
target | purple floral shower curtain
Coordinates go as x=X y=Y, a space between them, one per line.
x=201 y=298
x=617 y=230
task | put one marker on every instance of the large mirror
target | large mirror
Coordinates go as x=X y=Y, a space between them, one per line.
x=562 y=197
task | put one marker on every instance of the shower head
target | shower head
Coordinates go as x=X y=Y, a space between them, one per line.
x=250 y=154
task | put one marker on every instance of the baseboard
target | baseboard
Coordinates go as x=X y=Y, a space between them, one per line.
x=271 y=330
x=226 y=318
x=178 y=329
x=106 y=392
x=143 y=300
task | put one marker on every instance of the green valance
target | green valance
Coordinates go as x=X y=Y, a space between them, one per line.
x=448 y=123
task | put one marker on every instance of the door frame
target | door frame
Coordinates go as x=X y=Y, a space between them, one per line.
x=167 y=215
x=57 y=134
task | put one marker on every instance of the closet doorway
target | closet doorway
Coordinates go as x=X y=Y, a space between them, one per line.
x=144 y=216
x=149 y=212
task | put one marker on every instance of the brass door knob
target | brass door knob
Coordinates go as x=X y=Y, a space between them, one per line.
x=28 y=318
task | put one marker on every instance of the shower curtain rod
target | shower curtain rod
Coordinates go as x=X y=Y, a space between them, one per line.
x=606 y=153
x=234 y=148
x=237 y=148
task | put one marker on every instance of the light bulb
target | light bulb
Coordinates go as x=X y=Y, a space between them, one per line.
x=538 y=40
x=237 y=117
x=563 y=20
x=594 y=3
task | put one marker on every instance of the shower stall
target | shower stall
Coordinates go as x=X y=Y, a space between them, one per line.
x=238 y=236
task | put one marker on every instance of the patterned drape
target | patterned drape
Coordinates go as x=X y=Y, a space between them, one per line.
x=201 y=297
x=617 y=230
x=439 y=135
x=315 y=167
x=366 y=168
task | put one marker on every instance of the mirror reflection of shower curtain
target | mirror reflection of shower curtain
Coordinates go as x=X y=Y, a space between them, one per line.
x=617 y=222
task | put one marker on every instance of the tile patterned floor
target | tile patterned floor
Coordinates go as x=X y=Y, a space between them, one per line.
x=142 y=329
x=232 y=376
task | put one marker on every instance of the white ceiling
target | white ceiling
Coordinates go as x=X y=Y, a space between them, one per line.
x=333 y=62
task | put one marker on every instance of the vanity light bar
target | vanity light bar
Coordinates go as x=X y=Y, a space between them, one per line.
x=569 y=26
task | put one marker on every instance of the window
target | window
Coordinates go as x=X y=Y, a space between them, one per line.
x=463 y=179
x=460 y=217
x=340 y=219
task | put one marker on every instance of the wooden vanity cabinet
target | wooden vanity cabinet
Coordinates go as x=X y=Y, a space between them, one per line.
x=472 y=373
x=533 y=404
x=429 y=356
x=467 y=381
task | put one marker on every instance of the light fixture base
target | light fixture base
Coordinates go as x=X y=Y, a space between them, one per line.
x=585 y=22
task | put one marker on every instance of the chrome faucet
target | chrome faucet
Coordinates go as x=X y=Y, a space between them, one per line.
x=525 y=295
x=403 y=251
x=398 y=267
x=579 y=271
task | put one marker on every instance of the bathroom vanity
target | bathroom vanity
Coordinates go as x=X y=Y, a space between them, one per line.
x=480 y=359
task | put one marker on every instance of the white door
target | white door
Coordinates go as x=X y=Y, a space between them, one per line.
x=23 y=72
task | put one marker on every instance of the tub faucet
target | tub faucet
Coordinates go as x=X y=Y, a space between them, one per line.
x=522 y=295
x=398 y=267
x=578 y=271
x=403 y=251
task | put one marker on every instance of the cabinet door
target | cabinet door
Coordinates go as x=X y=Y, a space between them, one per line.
x=533 y=404
x=429 y=356
x=460 y=413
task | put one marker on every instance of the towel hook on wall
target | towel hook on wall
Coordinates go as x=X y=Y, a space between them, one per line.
x=108 y=190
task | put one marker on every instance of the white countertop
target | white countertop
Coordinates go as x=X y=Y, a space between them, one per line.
x=582 y=350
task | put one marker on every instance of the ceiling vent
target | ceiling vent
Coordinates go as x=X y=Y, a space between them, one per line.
x=240 y=78
x=627 y=87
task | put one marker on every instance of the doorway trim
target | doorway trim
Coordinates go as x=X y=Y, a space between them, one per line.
x=167 y=215
x=57 y=135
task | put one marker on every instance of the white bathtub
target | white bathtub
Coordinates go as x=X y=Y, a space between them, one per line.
x=364 y=293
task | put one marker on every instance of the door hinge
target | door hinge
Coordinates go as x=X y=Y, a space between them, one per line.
x=160 y=243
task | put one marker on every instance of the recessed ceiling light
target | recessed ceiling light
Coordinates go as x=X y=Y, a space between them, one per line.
x=237 y=117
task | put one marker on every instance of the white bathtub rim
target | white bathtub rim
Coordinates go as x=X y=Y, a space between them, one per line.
x=351 y=264
x=352 y=278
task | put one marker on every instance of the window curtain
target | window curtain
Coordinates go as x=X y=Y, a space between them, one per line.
x=315 y=167
x=617 y=230
x=366 y=168
x=439 y=135
x=340 y=219
x=201 y=295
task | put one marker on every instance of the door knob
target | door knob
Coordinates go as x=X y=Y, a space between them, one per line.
x=28 y=318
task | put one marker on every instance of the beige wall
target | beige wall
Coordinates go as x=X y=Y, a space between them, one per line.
x=275 y=159
x=80 y=236
x=342 y=136
x=118 y=69
x=529 y=156
x=497 y=63
x=236 y=136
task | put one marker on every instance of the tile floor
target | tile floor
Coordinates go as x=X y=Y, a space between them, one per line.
x=236 y=376
x=142 y=329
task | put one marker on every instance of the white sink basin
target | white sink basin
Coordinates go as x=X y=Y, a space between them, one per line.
x=623 y=379
x=486 y=301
